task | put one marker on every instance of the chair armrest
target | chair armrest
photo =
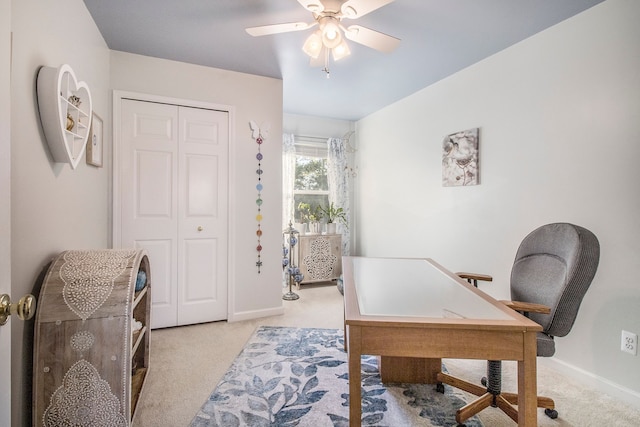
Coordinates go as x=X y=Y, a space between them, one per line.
x=527 y=307
x=475 y=276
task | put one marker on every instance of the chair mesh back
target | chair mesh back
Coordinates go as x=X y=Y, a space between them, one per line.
x=554 y=266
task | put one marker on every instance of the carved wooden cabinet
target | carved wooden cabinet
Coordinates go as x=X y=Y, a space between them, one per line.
x=91 y=344
x=320 y=257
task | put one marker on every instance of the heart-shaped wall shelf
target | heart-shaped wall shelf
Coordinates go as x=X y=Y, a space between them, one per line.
x=65 y=112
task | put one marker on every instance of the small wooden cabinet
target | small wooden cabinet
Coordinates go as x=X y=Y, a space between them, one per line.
x=91 y=344
x=320 y=257
x=65 y=110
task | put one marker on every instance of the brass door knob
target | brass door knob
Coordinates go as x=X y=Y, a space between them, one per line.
x=200 y=228
x=25 y=308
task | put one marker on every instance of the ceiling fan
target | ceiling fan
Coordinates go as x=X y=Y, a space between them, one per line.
x=330 y=35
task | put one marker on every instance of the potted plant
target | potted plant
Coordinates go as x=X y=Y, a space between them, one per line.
x=315 y=216
x=312 y=215
x=334 y=215
x=302 y=217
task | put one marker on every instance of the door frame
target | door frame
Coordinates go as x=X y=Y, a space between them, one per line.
x=118 y=97
x=6 y=399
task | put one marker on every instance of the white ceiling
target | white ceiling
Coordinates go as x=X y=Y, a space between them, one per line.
x=439 y=38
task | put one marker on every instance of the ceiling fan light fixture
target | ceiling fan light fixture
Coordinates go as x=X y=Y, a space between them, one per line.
x=313 y=45
x=331 y=34
x=341 y=51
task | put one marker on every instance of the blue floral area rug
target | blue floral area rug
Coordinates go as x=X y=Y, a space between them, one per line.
x=299 y=377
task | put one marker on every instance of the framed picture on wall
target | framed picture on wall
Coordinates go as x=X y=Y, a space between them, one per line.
x=94 y=144
x=460 y=158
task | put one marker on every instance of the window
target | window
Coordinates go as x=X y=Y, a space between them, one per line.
x=311 y=186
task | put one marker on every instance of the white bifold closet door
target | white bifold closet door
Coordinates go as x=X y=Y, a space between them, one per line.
x=174 y=203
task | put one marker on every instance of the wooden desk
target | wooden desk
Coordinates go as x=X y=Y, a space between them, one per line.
x=416 y=310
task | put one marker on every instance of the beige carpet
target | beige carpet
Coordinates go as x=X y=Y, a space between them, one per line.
x=187 y=362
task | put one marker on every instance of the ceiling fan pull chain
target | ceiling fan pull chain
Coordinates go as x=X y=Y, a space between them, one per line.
x=326 y=63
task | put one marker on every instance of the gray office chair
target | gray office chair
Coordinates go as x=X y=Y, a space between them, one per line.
x=552 y=271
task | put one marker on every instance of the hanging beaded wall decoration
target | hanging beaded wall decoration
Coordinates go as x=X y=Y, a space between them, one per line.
x=259 y=135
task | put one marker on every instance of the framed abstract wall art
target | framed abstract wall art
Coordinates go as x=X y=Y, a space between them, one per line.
x=460 y=158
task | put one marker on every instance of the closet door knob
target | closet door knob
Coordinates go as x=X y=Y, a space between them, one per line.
x=200 y=228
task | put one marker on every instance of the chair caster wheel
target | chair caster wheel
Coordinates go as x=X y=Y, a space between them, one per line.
x=440 y=388
x=551 y=413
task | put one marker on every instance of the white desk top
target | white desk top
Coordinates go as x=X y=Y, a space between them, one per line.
x=416 y=288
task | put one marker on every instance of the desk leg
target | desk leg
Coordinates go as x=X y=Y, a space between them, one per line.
x=527 y=387
x=355 y=376
x=344 y=330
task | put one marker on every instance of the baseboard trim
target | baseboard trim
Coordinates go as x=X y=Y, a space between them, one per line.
x=617 y=391
x=255 y=314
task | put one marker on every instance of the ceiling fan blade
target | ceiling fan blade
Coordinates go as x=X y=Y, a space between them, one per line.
x=266 y=30
x=314 y=6
x=356 y=8
x=370 y=38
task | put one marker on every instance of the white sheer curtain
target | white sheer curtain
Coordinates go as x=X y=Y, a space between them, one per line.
x=339 y=185
x=288 y=177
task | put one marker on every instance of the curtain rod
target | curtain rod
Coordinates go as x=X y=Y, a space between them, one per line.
x=346 y=136
x=312 y=138
x=323 y=139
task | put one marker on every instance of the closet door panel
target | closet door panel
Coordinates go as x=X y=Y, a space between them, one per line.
x=199 y=290
x=154 y=197
x=202 y=213
x=202 y=176
x=149 y=171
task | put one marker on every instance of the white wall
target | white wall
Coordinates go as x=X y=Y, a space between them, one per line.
x=54 y=208
x=254 y=98
x=559 y=118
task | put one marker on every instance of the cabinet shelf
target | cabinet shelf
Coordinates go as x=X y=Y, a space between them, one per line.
x=137 y=381
x=138 y=296
x=137 y=339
